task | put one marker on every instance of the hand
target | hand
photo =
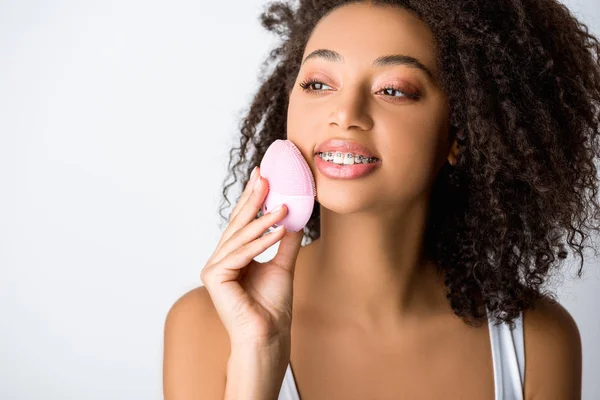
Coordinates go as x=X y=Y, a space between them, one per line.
x=253 y=299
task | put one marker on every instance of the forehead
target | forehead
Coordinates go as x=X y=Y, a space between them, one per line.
x=363 y=32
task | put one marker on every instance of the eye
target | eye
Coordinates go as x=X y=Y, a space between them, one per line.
x=307 y=87
x=392 y=89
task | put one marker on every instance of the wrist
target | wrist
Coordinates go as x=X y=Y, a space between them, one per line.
x=275 y=351
x=272 y=343
x=255 y=370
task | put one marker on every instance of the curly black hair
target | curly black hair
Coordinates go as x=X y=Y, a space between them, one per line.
x=523 y=82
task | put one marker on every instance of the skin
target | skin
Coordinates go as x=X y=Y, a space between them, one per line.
x=370 y=317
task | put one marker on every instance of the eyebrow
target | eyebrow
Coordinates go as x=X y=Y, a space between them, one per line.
x=391 y=59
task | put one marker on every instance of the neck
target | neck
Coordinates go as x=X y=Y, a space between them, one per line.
x=368 y=269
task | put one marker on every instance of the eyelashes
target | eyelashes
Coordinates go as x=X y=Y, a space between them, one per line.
x=306 y=86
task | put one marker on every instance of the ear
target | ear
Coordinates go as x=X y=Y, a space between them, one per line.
x=454 y=150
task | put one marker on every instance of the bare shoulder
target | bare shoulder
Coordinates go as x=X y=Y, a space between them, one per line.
x=553 y=360
x=196 y=349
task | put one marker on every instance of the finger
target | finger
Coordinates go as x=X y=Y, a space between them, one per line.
x=247 y=213
x=288 y=250
x=229 y=267
x=246 y=193
x=249 y=233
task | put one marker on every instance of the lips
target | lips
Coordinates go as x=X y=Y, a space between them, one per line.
x=345 y=146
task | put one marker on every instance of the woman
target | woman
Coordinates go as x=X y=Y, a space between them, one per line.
x=481 y=119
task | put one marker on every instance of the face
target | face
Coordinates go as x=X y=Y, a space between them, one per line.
x=396 y=109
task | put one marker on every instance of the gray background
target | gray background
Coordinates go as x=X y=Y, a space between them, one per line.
x=116 y=118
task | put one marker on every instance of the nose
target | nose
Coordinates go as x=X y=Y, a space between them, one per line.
x=351 y=110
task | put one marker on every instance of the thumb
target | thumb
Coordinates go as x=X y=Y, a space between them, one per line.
x=289 y=246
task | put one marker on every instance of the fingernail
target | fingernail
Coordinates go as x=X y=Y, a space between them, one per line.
x=256 y=184
x=253 y=172
x=276 y=209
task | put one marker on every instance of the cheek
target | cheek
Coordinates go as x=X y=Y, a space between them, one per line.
x=411 y=150
x=302 y=123
x=301 y=128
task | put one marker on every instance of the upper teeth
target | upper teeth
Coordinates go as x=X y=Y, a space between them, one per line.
x=346 y=158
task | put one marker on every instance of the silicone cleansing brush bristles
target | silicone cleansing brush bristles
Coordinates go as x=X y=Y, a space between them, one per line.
x=286 y=170
x=312 y=180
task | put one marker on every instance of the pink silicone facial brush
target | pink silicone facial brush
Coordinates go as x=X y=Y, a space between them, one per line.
x=291 y=182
